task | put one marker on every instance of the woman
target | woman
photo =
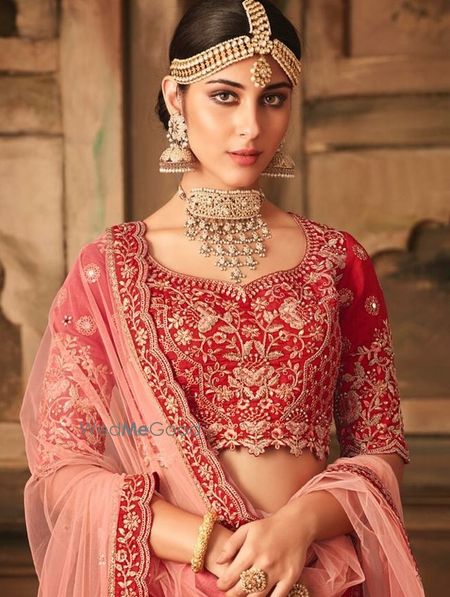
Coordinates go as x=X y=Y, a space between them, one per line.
x=177 y=417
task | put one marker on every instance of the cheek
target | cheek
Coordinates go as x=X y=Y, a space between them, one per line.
x=206 y=126
x=280 y=118
x=209 y=140
x=278 y=129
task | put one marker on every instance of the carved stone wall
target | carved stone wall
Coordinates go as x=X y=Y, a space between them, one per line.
x=377 y=163
x=61 y=173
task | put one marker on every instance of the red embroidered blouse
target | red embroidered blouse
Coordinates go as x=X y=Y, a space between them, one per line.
x=270 y=363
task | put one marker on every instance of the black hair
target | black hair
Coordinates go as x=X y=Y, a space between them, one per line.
x=210 y=22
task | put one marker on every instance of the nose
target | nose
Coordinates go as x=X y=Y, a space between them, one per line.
x=247 y=120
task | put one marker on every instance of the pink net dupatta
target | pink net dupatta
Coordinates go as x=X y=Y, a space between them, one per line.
x=107 y=426
x=377 y=555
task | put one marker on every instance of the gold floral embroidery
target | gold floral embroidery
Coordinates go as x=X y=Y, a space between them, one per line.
x=346 y=345
x=367 y=402
x=91 y=273
x=68 y=419
x=372 y=305
x=231 y=339
x=350 y=405
x=243 y=370
x=125 y=249
x=86 y=325
x=360 y=251
x=346 y=297
x=258 y=382
x=131 y=559
x=128 y=268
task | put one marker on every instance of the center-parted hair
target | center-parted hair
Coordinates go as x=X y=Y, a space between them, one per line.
x=211 y=22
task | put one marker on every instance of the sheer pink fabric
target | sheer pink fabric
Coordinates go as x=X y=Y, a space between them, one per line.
x=88 y=500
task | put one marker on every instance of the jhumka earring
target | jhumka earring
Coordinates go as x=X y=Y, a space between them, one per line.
x=178 y=157
x=282 y=165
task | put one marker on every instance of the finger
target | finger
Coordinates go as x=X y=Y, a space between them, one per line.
x=232 y=545
x=237 y=591
x=282 y=589
x=231 y=575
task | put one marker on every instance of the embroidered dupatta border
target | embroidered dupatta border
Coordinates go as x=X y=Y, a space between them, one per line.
x=130 y=560
x=370 y=476
x=128 y=270
x=116 y=499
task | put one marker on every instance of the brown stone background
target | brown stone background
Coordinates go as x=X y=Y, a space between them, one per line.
x=371 y=136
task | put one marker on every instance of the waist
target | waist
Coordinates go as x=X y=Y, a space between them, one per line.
x=270 y=479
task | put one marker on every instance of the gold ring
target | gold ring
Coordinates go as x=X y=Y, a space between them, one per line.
x=253 y=580
x=298 y=590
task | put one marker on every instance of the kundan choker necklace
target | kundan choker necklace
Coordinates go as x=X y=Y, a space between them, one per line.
x=229 y=225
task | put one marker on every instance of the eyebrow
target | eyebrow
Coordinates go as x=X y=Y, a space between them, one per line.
x=282 y=84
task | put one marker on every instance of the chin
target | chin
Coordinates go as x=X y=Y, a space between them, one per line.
x=240 y=180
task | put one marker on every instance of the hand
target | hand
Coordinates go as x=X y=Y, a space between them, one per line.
x=277 y=544
x=216 y=542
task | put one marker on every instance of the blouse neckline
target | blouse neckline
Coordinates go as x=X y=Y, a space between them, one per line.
x=228 y=285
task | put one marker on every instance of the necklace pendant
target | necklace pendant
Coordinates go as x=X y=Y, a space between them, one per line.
x=205 y=250
x=229 y=224
x=237 y=275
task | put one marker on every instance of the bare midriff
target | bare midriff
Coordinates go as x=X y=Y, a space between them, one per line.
x=271 y=478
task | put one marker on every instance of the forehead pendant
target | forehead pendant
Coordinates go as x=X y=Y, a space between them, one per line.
x=260 y=33
x=257 y=44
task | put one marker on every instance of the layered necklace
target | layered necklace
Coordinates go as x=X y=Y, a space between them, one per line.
x=229 y=226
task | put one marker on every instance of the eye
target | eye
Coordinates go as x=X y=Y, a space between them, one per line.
x=275 y=99
x=221 y=97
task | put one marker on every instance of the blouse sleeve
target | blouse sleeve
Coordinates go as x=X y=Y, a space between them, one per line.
x=367 y=410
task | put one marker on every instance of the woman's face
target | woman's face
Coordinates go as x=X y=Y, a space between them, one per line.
x=226 y=114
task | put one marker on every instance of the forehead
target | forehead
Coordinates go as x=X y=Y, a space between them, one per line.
x=240 y=72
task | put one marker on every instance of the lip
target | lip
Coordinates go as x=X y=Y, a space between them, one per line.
x=245 y=157
x=253 y=152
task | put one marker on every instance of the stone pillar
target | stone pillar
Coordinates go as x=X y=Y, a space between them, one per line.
x=150 y=28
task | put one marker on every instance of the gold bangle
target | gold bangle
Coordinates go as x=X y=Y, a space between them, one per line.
x=204 y=532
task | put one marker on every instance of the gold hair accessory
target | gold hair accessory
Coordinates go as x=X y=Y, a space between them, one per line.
x=177 y=157
x=229 y=225
x=201 y=545
x=282 y=165
x=253 y=580
x=298 y=590
x=258 y=42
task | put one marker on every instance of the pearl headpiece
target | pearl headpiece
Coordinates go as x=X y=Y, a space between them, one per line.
x=258 y=42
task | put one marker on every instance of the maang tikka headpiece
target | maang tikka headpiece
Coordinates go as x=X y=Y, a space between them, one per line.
x=258 y=42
